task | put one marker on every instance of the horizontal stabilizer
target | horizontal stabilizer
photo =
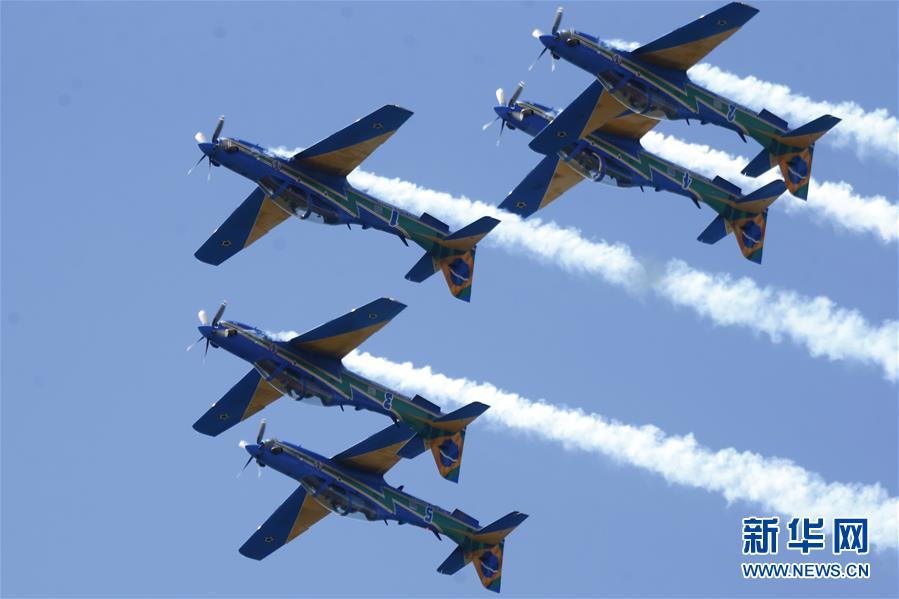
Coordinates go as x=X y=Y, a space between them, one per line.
x=421 y=402
x=343 y=151
x=459 y=419
x=807 y=134
x=455 y=562
x=727 y=185
x=577 y=120
x=762 y=163
x=337 y=338
x=469 y=235
x=460 y=515
x=774 y=119
x=434 y=222
x=244 y=399
x=499 y=530
x=255 y=217
x=291 y=519
x=761 y=198
x=424 y=268
x=715 y=232
x=414 y=447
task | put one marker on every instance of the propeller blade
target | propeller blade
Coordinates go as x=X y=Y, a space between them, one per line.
x=244 y=466
x=517 y=93
x=191 y=346
x=201 y=139
x=536 y=34
x=204 y=320
x=536 y=60
x=196 y=165
x=501 y=128
x=219 y=125
x=209 y=172
x=241 y=443
x=261 y=432
x=218 y=313
x=487 y=125
x=557 y=21
x=500 y=96
x=206 y=351
x=552 y=64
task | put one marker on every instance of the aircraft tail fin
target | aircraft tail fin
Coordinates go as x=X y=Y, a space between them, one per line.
x=792 y=151
x=485 y=551
x=445 y=439
x=454 y=255
x=750 y=224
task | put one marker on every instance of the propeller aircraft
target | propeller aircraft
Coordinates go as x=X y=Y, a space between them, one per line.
x=352 y=484
x=652 y=81
x=580 y=143
x=309 y=367
x=312 y=185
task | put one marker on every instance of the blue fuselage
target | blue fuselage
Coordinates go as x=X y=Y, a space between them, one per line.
x=301 y=375
x=315 y=195
x=350 y=492
x=618 y=161
x=655 y=91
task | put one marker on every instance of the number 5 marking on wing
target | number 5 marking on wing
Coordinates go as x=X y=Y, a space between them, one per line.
x=429 y=514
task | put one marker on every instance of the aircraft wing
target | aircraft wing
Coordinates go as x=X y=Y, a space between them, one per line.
x=337 y=338
x=380 y=452
x=255 y=217
x=340 y=153
x=684 y=47
x=244 y=399
x=549 y=179
x=290 y=520
x=593 y=110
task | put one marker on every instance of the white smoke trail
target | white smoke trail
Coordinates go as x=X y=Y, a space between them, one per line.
x=872 y=132
x=836 y=203
x=823 y=328
x=775 y=485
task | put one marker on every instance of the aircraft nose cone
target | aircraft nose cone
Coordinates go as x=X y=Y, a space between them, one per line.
x=205 y=330
x=206 y=147
x=550 y=41
x=253 y=449
x=501 y=111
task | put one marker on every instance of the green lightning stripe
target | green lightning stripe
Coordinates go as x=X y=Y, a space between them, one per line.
x=389 y=498
x=645 y=163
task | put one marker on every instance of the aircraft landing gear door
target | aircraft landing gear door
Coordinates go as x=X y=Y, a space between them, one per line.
x=394 y=217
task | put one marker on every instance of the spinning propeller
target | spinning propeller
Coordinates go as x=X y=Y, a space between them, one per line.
x=259 y=441
x=555 y=33
x=201 y=139
x=501 y=100
x=204 y=320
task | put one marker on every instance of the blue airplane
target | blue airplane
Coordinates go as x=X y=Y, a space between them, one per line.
x=352 y=484
x=576 y=149
x=652 y=81
x=309 y=368
x=312 y=185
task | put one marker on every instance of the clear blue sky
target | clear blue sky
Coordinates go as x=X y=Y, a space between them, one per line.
x=106 y=489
